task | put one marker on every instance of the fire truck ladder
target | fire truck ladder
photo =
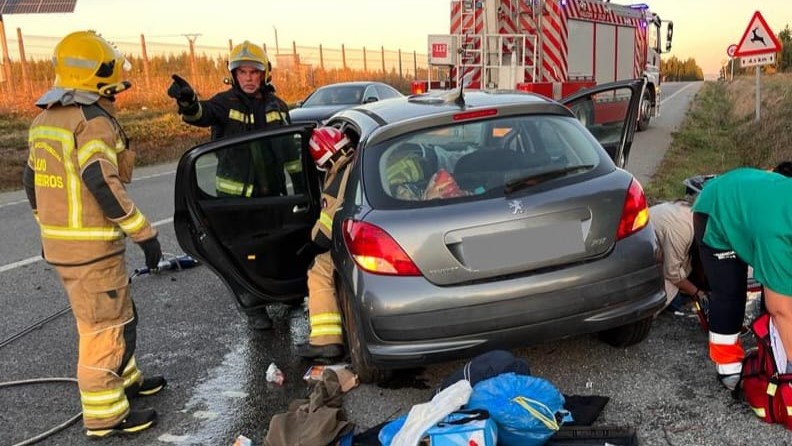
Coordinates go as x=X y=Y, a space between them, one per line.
x=508 y=60
x=470 y=41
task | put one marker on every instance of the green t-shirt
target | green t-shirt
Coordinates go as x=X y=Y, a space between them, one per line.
x=750 y=212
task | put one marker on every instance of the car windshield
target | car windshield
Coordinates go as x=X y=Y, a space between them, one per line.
x=336 y=95
x=481 y=159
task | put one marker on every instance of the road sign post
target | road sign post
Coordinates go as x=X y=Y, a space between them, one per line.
x=730 y=52
x=757 y=47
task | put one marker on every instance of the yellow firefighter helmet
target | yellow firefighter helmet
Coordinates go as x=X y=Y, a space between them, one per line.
x=247 y=53
x=86 y=61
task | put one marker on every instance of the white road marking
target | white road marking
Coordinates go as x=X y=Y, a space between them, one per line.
x=676 y=93
x=29 y=260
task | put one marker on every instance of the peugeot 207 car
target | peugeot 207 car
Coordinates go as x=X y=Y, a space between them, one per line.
x=323 y=102
x=471 y=221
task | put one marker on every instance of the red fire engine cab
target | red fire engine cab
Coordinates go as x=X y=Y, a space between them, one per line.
x=550 y=47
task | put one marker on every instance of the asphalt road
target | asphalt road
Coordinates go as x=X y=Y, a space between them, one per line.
x=190 y=331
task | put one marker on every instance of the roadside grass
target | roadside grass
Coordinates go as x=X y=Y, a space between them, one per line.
x=719 y=133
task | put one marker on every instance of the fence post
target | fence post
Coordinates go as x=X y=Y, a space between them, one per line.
x=415 y=64
x=400 y=65
x=230 y=46
x=321 y=57
x=144 y=56
x=365 y=65
x=343 y=56
x=25 y=78
x=6 y=58
x=295 y=58
x=382 y=51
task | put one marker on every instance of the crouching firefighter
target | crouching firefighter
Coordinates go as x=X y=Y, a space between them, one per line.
x=332 y=151
x=77 y=164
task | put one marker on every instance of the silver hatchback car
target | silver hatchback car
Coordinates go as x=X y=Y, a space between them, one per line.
x=472 y=221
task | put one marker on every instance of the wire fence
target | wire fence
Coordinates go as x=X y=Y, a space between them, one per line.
x=297 y=69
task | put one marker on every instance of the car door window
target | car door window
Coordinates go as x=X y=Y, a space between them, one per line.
x=254 y=169
x=386 y=93
x=371 y=94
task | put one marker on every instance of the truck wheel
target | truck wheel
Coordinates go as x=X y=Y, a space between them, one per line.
x=629 y=334
x=358 y=357
x=644 y=111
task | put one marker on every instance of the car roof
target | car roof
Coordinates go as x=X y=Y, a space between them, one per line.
x=352 y=84
x=443 y=104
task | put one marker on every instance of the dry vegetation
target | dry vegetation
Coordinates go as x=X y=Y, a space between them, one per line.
x=147 y=113
x=718 y=134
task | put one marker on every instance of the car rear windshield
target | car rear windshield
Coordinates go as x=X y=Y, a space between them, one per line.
x=477 y=160
x=336 y=95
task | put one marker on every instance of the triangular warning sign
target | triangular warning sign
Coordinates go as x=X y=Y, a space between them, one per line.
x=758 y=38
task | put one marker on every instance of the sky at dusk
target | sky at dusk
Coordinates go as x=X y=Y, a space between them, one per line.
x=703 y=29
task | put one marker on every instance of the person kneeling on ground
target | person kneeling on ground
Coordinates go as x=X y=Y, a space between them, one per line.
x=741 y=218
x=332 y=151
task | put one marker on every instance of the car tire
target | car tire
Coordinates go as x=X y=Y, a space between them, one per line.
x=629 y=334
x=644 y=111
x=358 y=357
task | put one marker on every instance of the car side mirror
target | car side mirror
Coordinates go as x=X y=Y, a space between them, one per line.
x=370 y=99
x=298 y=104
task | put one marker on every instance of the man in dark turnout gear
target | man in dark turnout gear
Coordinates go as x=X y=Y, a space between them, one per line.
x=251 y=171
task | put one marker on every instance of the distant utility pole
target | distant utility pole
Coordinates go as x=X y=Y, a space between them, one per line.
x=192 y=38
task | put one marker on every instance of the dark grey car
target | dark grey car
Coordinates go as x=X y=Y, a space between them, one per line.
x=325 y=101
x=473 y=222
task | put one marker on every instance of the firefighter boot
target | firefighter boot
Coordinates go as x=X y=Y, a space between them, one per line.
x=310 y=351
x=136 y=421
x=150 y=386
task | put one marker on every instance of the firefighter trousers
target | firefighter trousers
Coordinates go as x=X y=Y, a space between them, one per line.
x=106 y=323
x=323 y=313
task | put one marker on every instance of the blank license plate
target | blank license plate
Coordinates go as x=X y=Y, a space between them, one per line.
x=540 y=244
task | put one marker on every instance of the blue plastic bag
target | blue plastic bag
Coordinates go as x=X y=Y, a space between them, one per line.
x=527 y=410
x=458 y=428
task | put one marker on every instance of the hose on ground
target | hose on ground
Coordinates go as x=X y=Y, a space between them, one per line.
x=55 y=429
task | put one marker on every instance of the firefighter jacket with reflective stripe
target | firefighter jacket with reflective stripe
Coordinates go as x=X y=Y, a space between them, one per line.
x=256 y=170
x=74 y=185
x=332 y=200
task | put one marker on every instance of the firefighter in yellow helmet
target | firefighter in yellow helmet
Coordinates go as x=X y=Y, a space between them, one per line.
x=254 y=170
x=332 y=150
x=74 y=180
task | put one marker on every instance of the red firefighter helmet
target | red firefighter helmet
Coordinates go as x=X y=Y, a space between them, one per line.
x=327 y=144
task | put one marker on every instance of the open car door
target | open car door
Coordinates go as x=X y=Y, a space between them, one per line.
x=245 y=206
x=610 y=112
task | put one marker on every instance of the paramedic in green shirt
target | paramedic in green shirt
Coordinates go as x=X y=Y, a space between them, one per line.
x=742 y=218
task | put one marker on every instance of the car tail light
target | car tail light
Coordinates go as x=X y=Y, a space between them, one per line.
x=375 y=251
x=635 y=213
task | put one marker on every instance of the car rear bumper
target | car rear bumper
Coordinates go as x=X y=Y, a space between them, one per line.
x=408 y=321
x=488 y=328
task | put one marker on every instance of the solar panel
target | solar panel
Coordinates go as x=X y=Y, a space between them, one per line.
x=36 y=6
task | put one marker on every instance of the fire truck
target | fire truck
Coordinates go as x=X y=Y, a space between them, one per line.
x=550 y=47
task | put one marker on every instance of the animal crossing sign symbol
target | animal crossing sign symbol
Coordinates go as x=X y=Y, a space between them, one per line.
x=757 y=39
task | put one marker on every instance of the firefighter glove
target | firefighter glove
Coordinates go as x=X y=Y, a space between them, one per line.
x=184 y=94
x=152 y=251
